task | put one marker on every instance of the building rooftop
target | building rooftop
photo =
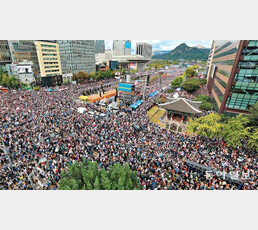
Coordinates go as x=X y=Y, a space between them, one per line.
x=182 y=105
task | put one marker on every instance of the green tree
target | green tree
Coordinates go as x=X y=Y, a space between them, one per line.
x=177 y=82
x=253 y=138
x=206 y=105
x=208 y=126
x=201 y=97
x=80 y=76
x=235 y=130
x=191 y=85
x=190 y=72
x=87 y=175
x=253 y=117
x=9 y=81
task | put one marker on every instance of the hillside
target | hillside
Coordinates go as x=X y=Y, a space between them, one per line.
x=185 y=52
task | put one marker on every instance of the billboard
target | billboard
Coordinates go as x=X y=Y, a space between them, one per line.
x=126 y=87
x=113 y=65
x=133 y=65
x=24 y=69
x=128 y=44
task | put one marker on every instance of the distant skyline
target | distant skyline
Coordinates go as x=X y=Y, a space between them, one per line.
x=164 y=44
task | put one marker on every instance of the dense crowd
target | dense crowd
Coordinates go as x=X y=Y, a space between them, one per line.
x=43 y=133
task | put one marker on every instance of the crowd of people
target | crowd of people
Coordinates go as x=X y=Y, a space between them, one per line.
x=42 y=133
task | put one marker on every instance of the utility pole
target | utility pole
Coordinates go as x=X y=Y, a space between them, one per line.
x=143 y=96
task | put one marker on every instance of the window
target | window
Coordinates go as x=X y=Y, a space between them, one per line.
x=49 y=50
x=43 y=45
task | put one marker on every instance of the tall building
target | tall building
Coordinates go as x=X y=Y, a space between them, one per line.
x=99 y=46
x=22 y=50
x=209 y=61
x=122 y=47
x=48 y=59
x=144 y=49
x=233 y=75
x=5 y=55
x=77 y=55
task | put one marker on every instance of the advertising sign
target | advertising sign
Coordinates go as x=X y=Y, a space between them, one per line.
x=125 y=87
x=128 y=45
x=24 y=69
x=133 y=65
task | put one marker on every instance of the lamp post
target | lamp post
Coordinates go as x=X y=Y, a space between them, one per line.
x=160 y=72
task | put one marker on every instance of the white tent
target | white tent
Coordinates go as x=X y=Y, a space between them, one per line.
x=81 y=110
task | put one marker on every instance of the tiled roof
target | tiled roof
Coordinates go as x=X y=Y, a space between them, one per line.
x=182 y=105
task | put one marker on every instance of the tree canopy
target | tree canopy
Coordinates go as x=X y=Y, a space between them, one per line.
x=9 y=81
x=80 y=76
x=191 y=85
x=234 y=130
x=177 y=82
x=191 y=71
x=208 y=126
x=87 y=175
x=253 y=117
x=206 y=105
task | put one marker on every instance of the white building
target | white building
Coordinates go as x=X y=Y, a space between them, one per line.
x=144 y=49
x=126 y=61
x=23 y=71
x=122 y=47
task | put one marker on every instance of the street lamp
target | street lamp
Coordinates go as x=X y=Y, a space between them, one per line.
x=160 y=72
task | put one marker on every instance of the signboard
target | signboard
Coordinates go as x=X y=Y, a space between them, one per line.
x=128 y=44
x=133 y=65
x=24 y=69
x=113 y=65
x=126 y=87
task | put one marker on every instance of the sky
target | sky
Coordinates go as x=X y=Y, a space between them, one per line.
x=164 y=44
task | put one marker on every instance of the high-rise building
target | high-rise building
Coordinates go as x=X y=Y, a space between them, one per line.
x=122 y=47
x=22 y=50
x=5 y=55
x=48 y=59
x=144 y=49
x=209 y=62
x=77 y=55
x=99 y=46
x=233 y=75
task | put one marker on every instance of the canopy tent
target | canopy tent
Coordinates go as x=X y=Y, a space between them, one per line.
x=153 y=94
x=81 y=110
x=108 y=94
x=136 y=104
x=84 y=98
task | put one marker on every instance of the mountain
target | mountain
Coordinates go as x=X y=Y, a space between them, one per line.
x=185 y=52
x=159 y=52
x=200 y=47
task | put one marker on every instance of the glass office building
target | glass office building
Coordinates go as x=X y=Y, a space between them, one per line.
x=233 y=75
x=99 y=46
x=24 y=50
x=77 y=55
x=5 y=55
